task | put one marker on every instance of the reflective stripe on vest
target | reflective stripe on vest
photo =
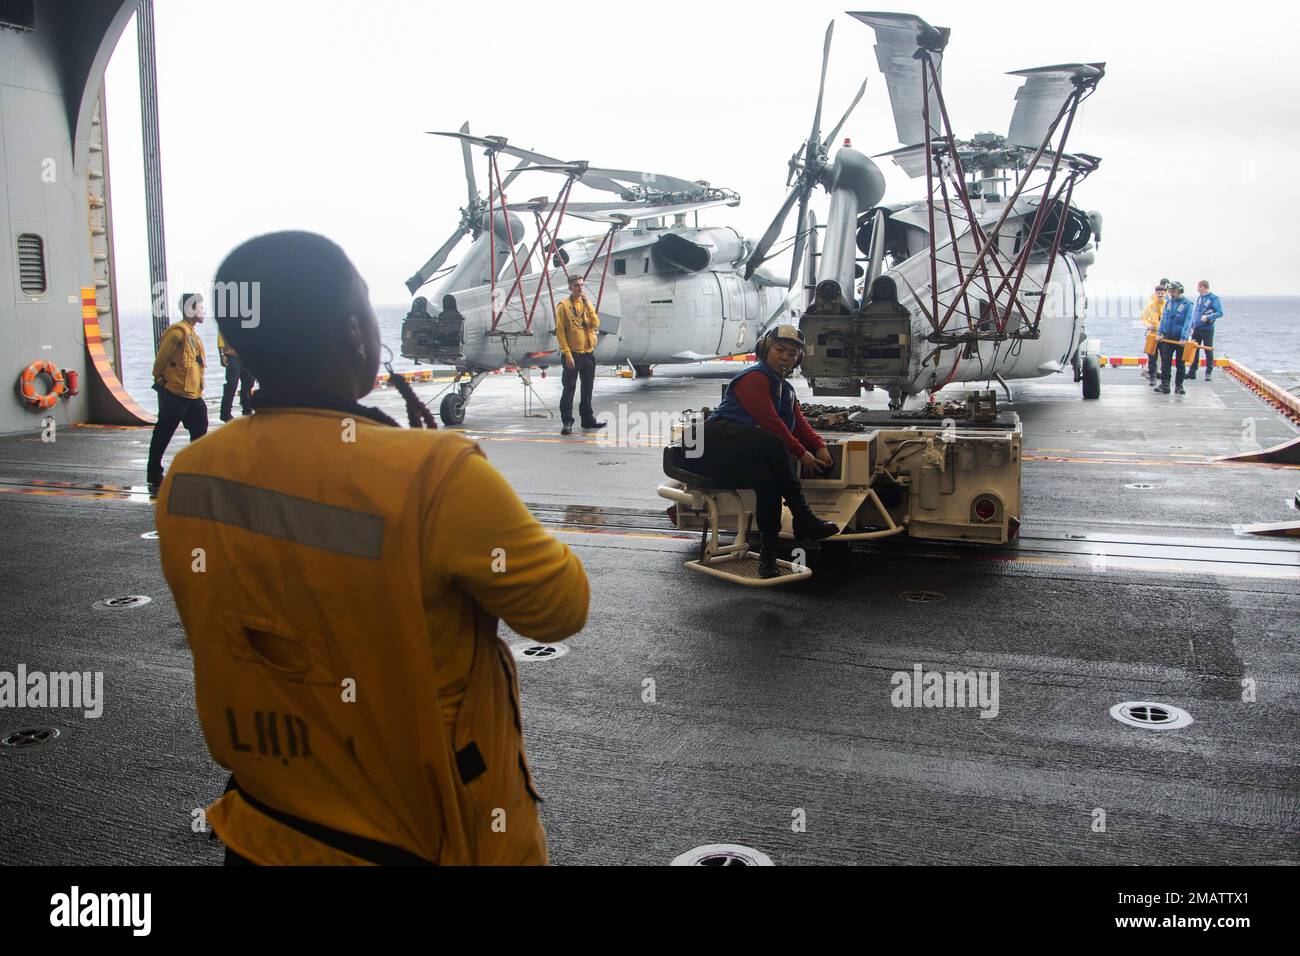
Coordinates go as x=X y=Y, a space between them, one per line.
x=300 y=520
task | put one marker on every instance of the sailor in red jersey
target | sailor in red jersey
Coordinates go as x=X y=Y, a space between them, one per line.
x=756 y=438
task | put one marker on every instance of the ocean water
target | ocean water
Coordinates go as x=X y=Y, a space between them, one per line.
x=1262 y=332
x=138 y=349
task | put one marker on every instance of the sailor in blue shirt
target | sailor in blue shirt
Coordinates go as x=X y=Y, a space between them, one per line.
x=1175 y=323
x=1205 y=312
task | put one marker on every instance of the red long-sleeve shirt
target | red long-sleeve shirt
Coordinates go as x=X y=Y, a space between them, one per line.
x=755 y=393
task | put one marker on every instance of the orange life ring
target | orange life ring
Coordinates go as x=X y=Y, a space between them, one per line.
x=27 y=384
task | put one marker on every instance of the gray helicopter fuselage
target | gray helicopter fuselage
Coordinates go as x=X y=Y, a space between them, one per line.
x=670 y=295
x=1060 y=329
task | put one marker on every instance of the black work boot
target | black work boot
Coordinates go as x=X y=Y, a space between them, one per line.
x=767 y=566
x=806 y=525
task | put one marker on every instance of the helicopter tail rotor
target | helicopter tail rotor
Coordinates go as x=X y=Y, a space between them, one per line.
x=807 y=169
x=470 y=182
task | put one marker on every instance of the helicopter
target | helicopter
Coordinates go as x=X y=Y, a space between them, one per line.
x=981 y=280
x=953 y=288
x=980 y=250
x=666 y=292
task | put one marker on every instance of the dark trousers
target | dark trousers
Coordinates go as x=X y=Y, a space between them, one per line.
x=1170 y=353
x=236 y=375
x=1205 y=336
x=746 y=456
x=584 y=369
x=173 y=410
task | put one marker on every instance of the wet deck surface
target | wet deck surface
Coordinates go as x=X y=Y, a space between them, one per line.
x=772 y=701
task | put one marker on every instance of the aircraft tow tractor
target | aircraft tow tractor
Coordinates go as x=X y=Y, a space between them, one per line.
x=947 y=472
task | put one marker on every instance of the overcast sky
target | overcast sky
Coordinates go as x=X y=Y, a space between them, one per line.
x=292 y=114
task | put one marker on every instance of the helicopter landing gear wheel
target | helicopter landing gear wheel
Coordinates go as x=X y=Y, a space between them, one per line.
x=643 y=371
x=452 y=410
x=1091 y=377
x=895 y=399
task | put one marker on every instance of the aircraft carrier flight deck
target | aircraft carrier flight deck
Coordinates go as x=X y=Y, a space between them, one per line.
x=693 y=712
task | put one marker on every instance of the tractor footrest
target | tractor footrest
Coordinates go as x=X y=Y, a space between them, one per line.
x=743 y=569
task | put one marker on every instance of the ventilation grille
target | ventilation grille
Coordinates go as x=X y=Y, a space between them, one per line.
x=18 y=14
x=31 y=263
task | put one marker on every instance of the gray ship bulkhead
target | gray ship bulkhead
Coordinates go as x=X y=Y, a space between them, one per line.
x=50 y=78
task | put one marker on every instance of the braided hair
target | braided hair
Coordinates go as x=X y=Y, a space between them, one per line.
x=417 y=413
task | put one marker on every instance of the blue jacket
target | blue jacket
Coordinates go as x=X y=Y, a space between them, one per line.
x=1208 y=308
x=783 y=398
x=1176 y=321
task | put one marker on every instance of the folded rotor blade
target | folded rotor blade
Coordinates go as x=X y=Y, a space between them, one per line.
x=815 y=137
x=499 y=144
x=910 y=159
x=898 y=37
x=614 y=211
x=657 y=181
x=1041 y=96
x=830 y=137
x=435 y=262
x=757 y=257
x=800 y=238
x=513 y=174
x=469 y=166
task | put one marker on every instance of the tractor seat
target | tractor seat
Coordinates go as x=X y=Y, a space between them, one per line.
x=675 y=466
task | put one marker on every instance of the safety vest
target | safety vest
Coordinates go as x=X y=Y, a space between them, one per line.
x=1151 y=314
x=180 y=360
x=1209 y=305
x=1175 y=318
x=783 y=398
x=315 y=631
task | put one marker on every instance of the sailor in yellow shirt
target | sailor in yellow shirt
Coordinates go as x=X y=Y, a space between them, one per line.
x=178 y=380
x=576 y=329
x=343 y=618
x=1151 y=322
x=237 y=376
